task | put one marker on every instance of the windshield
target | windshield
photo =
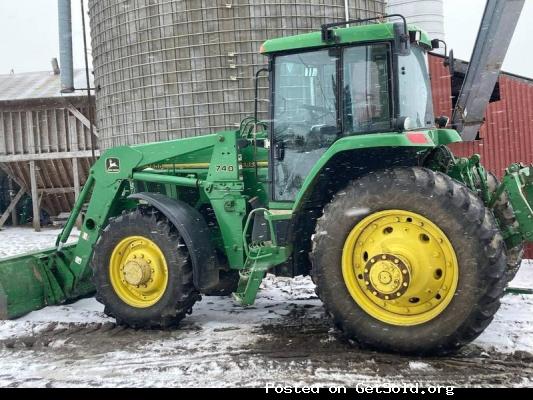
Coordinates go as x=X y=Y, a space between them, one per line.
x=415 y=89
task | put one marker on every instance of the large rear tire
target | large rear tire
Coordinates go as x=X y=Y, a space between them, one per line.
x=142 y=271
x=408 y=260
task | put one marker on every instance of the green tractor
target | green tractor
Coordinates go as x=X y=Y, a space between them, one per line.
x=350 y=181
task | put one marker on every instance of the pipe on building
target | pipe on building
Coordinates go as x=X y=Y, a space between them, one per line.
x=65 y=46
x=346 y=10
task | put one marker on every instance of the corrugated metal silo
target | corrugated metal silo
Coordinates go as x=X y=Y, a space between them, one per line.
x=427 y=14
x=176 y=68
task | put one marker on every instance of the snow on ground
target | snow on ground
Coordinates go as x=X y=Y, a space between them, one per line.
x=15 y=241
x=512 y=327
x=283 y=338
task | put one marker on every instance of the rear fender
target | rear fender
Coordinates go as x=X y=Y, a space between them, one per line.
x=193 y=229
x=417 y=141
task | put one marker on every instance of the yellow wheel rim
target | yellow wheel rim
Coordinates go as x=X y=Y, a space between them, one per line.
x=138 y=272
x=400 y=267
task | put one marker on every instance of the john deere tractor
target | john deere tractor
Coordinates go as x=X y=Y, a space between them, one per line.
x=350 y=181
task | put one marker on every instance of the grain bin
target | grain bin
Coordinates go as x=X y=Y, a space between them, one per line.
x=426 y=14
x=177 y=68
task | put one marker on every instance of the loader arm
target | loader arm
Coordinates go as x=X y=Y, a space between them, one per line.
x=107 y=185
x=53 y=276
x=517 y=182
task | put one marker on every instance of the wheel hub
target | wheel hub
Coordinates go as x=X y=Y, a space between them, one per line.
x=400 y=267
x=137 y=272
x=387 y=276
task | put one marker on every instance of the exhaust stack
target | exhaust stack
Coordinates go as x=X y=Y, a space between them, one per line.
x=65 y=46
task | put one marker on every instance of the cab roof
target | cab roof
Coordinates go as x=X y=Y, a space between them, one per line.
x=353 y=34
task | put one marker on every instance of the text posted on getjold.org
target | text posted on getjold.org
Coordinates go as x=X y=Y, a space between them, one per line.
x=363 y=388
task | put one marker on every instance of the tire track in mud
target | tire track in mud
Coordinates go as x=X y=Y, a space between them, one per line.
x=299 y=347
x=328 y=349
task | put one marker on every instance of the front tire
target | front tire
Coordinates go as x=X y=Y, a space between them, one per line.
x=142 y=271
x=408 y=260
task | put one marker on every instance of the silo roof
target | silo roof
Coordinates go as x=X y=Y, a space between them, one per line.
x=353 y=34
x=38 y=85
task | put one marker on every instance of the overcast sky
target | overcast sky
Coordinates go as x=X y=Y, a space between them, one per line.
x=461 y=23
x=28 y=34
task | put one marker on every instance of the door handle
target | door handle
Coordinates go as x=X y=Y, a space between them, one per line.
x=280 y=151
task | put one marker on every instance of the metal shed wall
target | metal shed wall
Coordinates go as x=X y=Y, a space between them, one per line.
x=50 y=134
x=178 y=68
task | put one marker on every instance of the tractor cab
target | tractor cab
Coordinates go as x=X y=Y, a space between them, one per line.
x=338 y=83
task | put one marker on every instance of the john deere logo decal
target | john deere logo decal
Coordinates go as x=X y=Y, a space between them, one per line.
x=112 y=165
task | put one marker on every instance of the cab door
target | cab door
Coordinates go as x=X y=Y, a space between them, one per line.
x=305 y=117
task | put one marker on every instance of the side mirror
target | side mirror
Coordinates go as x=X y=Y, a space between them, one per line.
x=448 y=58
x=442 y=121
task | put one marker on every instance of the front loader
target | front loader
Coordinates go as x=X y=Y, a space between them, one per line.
x=350 y=181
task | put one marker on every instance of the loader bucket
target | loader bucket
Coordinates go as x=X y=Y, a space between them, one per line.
x=35 y=280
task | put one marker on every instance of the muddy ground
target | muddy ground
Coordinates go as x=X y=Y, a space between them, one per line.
x=284 y=339
x=300 y=348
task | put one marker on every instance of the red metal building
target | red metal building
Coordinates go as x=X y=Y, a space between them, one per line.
x=507 y=135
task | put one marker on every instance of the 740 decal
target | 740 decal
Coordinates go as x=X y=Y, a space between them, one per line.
x=225 y=168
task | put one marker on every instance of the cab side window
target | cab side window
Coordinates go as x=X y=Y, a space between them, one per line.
x=366 y=89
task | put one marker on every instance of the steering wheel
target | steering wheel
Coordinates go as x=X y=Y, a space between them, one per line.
x=286 y=134
x=318 y=112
